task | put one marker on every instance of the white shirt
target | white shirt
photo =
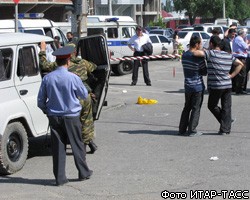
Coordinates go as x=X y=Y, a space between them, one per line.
x=138 y=42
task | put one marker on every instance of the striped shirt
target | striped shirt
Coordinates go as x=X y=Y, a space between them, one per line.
x=193 y=68
x=218 y=66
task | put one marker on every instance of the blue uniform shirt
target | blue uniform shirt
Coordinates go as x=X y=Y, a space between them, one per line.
x=59 y=93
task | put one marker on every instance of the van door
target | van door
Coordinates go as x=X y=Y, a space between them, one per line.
x=94 y=48
x=28 y=81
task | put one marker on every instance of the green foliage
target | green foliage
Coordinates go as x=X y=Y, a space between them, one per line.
x=235 y=9
x=157 y=23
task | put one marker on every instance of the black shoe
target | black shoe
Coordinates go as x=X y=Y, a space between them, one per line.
x=86 y=178
x=148 y=84
x=92 y=146
x=133 y=84
x=223 y=133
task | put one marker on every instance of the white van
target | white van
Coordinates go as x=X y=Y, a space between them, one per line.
x=118 y=30
x=225 y=21
x=20 y=79
x=34 y=26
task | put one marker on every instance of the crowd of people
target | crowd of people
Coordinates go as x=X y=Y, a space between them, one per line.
x=66 y=98
x=226 y=62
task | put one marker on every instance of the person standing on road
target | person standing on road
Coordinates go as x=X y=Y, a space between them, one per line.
x=138 y=40
x=58 y=97
x=175 y=42
x=193 y=68
x=240 y=48
x=83 y=69
x=219 y=82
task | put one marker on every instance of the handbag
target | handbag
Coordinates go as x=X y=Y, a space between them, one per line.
x=147 y=48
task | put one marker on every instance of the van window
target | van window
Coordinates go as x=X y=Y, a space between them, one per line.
x=112 y=33
x=126 y=33
x=6 y=56
x=34 y=31
x=95 y=31
x=63 y=39
x=27 y=65
x=48 y=32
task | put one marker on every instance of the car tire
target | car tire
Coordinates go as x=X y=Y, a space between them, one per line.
x=13 y=148
x=123 y=68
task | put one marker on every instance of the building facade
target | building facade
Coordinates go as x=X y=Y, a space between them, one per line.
x=142 y=11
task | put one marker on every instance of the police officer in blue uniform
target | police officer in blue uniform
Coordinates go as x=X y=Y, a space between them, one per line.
x=58 y=97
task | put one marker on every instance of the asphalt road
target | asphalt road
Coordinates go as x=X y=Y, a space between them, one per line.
x=140 y=154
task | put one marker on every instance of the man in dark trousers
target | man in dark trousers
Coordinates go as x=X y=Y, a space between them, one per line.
x=58 y=97
x=193 y=68
x=219 y=82
x=138 y=40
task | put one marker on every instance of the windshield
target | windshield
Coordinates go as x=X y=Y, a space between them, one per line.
x=182 y=34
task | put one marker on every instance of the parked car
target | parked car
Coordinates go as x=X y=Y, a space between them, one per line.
x=149 y=28
x=208 y=29
x=161 y=44
x=180 y=27
x=185 y=36
x=164 y=32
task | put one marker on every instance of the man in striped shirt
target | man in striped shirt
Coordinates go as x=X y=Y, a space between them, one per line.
x=219 y=82
x=193 y=68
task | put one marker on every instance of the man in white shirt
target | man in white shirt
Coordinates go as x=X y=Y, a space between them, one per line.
x=138 y=40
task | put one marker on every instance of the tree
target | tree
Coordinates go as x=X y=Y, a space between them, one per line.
x=235 y=9
x=193 y=8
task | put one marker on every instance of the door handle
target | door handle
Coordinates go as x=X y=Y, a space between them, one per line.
x=23 y=92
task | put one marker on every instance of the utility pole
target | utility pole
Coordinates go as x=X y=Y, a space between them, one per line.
x=224 y=10
x=79 y=20
x=110 y=7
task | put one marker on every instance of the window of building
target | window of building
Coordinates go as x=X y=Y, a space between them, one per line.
x=6 y=56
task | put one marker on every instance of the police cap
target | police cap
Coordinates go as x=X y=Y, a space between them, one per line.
x=63 y=53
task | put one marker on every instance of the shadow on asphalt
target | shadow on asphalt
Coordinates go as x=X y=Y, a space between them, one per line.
x=20 y=180
x=39 y=146
x=161 y=132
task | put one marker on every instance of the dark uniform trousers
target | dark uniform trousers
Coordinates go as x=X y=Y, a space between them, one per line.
x=144 y=63
x=63 y=128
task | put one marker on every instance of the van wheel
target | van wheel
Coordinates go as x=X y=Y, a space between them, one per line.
x=13 y=148
x=124 y=67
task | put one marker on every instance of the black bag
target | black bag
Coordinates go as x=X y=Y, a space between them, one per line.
x=148 y=48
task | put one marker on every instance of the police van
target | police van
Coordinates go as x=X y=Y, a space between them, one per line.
x=117 y=30
x=20 y=79
x=33 y=23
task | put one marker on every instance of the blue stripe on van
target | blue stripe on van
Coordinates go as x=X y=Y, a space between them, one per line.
x=117 y=43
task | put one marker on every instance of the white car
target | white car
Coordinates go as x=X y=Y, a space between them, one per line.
x=161 y=44
x=185 y=36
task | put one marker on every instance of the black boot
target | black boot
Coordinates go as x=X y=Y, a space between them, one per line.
x=92 y=147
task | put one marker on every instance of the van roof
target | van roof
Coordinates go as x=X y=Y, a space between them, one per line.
x=22 y=38
x=103 y=18
x=26 y=23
